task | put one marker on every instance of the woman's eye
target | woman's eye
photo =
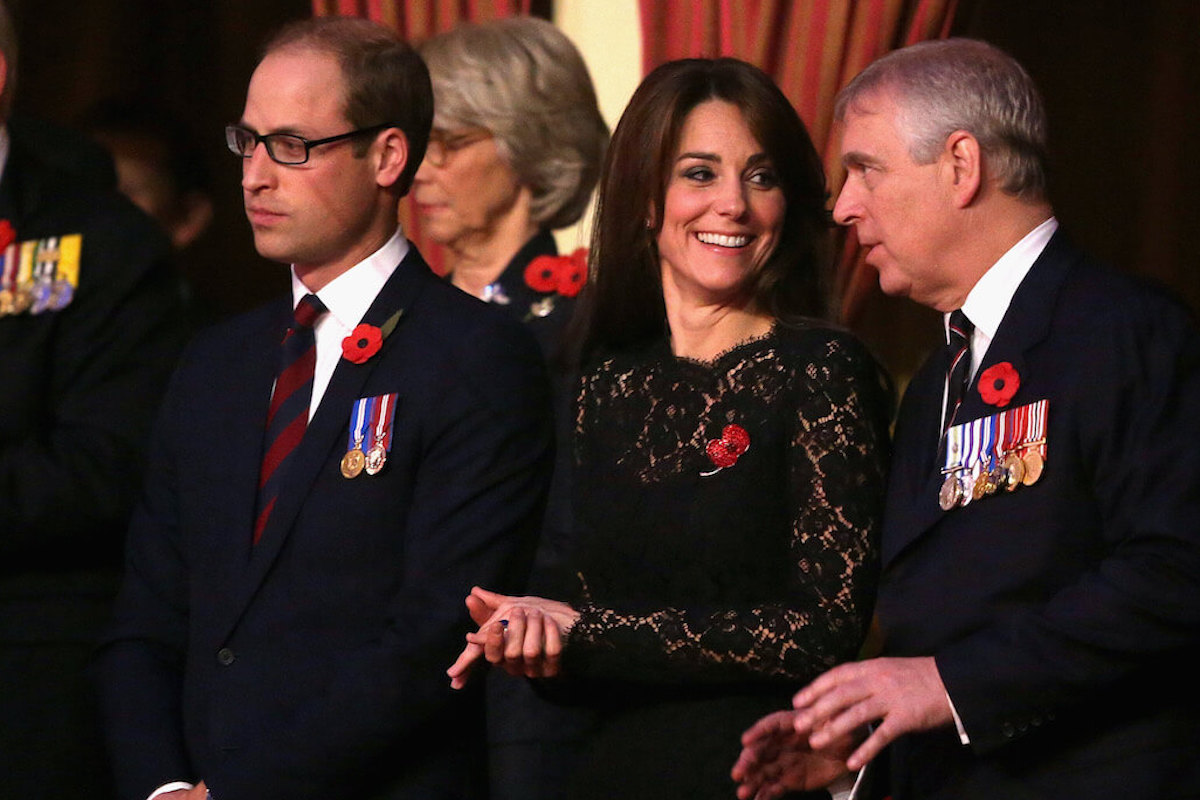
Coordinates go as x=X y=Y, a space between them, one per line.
x=764 y=178
x=698 y=174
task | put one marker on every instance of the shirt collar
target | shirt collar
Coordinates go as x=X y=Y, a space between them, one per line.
x=349 y=295
x=989 y=299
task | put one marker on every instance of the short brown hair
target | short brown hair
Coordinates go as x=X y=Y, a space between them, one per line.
x=624 y=304
x=386 y=81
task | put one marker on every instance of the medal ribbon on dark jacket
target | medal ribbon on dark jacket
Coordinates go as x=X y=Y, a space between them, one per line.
x=288 y=414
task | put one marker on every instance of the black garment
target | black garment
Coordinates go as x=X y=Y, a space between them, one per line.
x=534 y=744
x=1064 y=616
x=707 y=598
x=78 y=389
x=546 y=314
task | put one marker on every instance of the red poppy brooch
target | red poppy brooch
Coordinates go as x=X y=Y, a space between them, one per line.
x=8 y=234
x=365 y=340
x=564 y=275
x=998 y=383
x=725 y=452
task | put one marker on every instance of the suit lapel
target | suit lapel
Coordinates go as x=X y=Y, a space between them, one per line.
x=327 y=428
x=913 y=497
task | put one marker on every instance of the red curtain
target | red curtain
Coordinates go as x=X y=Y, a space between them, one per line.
x=415 y=20
x=812 y=48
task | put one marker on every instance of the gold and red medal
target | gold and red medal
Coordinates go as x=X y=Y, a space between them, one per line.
x=370 y=425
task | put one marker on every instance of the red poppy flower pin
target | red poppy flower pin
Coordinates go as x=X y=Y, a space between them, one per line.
x=998 y=383
x=563 y=275
x=725 y=452
x=8 y=234
x=365 y=340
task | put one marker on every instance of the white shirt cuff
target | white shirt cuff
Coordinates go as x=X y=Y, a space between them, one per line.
x=962 y=732
x=171 y=787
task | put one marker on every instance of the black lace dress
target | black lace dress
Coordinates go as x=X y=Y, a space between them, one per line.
x=709 y=595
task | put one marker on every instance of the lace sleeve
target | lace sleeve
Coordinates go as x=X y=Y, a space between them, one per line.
x=836 y=462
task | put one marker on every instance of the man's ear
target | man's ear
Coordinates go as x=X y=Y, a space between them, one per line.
x=391 y=156
x=964 y=158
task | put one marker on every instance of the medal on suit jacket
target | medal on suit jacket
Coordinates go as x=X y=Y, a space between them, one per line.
x=1002 y=451
x=381 y=433
x=46 y=273
x=10 y=262
x=354 y=460
x=1034 y=443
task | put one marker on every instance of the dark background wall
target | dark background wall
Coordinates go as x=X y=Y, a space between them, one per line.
x=1121 y=80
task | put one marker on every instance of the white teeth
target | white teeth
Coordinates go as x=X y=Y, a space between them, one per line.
x=722 y=240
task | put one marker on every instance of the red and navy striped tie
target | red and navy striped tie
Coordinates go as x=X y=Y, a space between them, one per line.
x=288 y=415
x=959 y=348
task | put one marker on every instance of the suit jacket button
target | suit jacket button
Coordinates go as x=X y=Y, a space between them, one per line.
x=225 y=657
x=1008 y=730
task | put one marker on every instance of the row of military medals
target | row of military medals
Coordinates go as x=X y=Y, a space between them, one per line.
x=370 y=435
x=39 y=275
x=1002 y=452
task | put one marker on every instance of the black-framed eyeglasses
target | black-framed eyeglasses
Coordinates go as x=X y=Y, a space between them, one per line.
x=442 y=144
x=285 y=148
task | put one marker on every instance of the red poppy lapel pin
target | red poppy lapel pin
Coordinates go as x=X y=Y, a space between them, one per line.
x=998 y=383
x=365 y=340
x=564 y=275
x=725 y=452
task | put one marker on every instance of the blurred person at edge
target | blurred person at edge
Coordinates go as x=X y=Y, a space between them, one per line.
x=515 y=152
x=89 y=332
x=729 y=447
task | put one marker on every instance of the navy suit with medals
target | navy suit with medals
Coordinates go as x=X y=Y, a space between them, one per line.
x=312 y=664
x=1064 y=616
x=79 y=383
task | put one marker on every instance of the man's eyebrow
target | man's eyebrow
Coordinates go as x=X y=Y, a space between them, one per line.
x=856 y=158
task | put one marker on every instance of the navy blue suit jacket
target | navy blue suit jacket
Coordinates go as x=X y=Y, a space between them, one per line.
x=313 y=663
x=1064 y=616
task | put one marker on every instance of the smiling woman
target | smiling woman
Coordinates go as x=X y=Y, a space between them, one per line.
x=728 y=448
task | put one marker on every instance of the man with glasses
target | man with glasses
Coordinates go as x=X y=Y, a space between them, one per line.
x=330 y=475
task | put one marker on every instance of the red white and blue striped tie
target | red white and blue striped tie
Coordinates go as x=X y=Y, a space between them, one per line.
x=288 y=415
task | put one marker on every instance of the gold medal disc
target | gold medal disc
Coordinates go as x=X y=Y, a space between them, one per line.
x=376 y=459
x=1034 y=464
x=7 y=305
x=1014 y=471
x=951 y=493
x=979 y=488
x=22 y=300
x=352 y=463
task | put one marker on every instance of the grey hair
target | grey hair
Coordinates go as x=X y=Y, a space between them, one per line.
x=523 y=80
x=962 y=84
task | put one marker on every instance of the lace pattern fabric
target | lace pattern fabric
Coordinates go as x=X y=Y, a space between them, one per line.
x=762 y=570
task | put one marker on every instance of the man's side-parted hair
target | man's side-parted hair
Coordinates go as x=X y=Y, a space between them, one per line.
x=386 y=81
x=522 y=79
x=962 y=84
x=623 y=304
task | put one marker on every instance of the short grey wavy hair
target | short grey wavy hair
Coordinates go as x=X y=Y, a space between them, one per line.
x=963 y=84
x=523 y=80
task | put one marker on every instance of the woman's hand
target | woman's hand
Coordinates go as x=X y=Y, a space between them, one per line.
x=524 y=635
